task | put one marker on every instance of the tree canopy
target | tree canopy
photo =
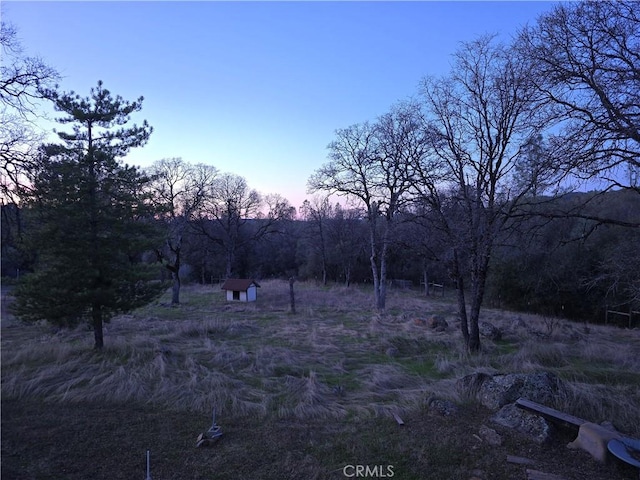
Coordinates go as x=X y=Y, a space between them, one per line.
x=90 y=216
x=584 y=58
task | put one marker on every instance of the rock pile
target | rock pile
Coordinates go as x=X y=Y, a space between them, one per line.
x=499 y=392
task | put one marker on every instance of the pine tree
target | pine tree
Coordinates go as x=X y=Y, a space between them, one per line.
x=92 y=218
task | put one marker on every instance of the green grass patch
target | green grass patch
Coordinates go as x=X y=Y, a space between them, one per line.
x=421 y=366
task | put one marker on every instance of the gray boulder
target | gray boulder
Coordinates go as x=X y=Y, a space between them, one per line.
x=490 y=331
x=469 y=386
x=501 y=390
x=534 y=427
x=497 y=391
x=490 y=436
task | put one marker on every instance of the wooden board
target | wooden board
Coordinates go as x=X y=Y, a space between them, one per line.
x=537 y=475
x=549 y=413
x=520 y=460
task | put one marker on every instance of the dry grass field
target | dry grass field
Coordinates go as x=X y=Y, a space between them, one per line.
x=297 y=396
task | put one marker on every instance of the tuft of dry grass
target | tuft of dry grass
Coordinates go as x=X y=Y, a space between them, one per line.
x=599 y=403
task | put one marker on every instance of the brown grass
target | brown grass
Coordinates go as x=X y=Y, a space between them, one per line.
x=336 y=358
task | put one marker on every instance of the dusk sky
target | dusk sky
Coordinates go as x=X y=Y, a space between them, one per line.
x=255 y=88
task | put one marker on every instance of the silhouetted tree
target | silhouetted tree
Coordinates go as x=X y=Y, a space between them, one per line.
x=347 y=235
x=479 y=118
x=178 y=190
x=317 y=212
x=22 y=79
x=372 y=164
x=583 y=57
x=91 y=216
x=233 y=217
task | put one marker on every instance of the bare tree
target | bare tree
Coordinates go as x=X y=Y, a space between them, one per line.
x=23 y=80
x=317 y=212
x=479 y=117
x=347 y=239
x=227 y=208
x=372 y=163
x=354 y=171
x=179 y=189
x=277 y=208
x=584 y=57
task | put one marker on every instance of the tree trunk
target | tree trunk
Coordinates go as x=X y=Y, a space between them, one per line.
x=96 y=315
x=374 y=268
x=347 y=276
x=474 y=318
x=324 y=255
x=229 y=263
x=462 y=306
x=473 y=344
x=425 y=277
x=462 y=311
x=478 y=283
x=96 y=307
x=175 y=271
x=382 y=298
x=175 y=289
x=292 y=297
x=376 y=280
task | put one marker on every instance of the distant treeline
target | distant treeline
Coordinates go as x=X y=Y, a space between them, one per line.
x=561 y=261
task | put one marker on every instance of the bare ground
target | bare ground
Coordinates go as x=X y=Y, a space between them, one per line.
x=104 y=441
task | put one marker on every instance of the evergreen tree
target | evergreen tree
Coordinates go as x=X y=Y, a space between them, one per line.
x=92 y=216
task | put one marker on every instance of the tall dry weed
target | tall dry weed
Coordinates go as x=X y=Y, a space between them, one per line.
x=307 y=397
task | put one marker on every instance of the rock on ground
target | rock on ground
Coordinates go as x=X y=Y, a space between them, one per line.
x=490 y=436
x=533 y=426
x=497 y=391
x=490 y=331
x=444 y=407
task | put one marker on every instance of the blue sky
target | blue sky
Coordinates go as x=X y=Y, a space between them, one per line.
x=256 y=88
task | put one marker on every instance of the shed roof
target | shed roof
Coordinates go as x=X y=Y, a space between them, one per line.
x=239 y=284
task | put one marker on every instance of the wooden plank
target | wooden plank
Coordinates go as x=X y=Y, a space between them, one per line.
x=549 y=413
x=537 y=475
x=520 y=460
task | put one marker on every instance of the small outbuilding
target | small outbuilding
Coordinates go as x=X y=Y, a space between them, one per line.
x=241 y=289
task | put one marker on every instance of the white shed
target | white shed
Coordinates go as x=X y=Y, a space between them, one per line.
x=241 y=289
